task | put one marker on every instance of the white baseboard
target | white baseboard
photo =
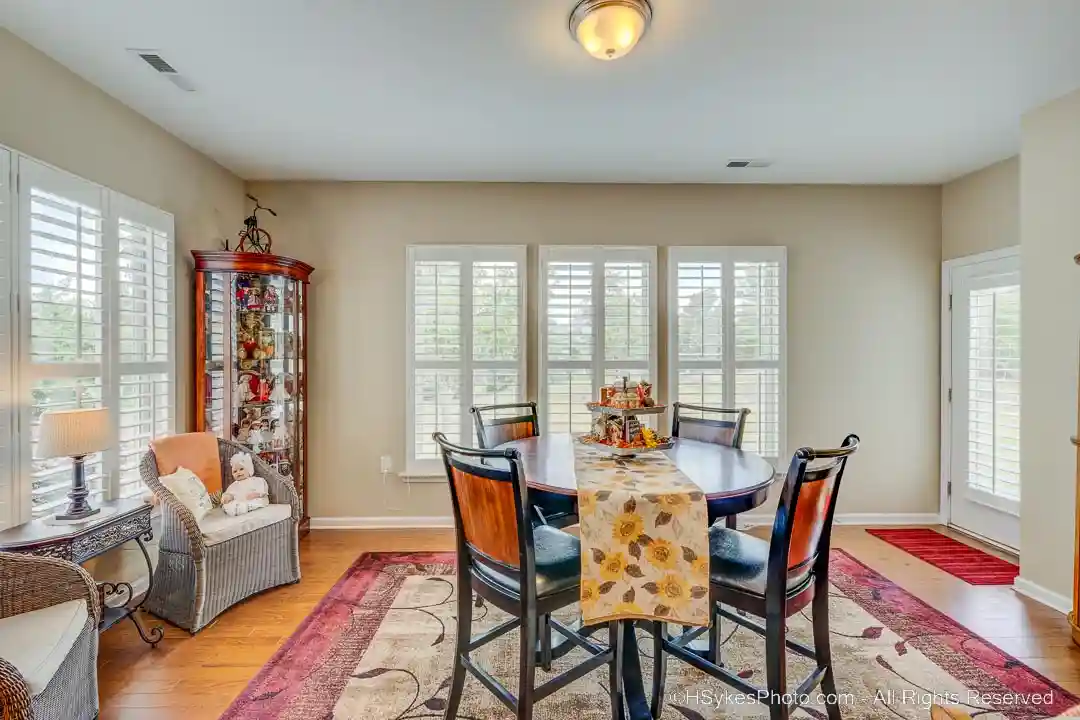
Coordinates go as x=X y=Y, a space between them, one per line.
x=402 y=523
x=380 y=523
x=873 y=519
x=1038 y=593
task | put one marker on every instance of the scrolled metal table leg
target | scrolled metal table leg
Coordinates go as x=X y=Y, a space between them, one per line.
x=157 y=632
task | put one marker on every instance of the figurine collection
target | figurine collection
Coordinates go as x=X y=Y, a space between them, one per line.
x=264 y=417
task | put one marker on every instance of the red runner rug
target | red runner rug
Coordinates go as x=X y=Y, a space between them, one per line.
x=971 y=565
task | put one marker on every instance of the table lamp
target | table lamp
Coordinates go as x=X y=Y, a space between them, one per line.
x=74 y=434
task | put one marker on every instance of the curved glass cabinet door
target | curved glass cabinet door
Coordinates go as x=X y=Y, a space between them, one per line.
x=250 y=357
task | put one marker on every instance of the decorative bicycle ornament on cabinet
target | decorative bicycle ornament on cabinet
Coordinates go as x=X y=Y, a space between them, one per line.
x=253 y=238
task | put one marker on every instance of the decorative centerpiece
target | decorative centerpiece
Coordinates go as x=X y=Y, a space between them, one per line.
x=615 y=420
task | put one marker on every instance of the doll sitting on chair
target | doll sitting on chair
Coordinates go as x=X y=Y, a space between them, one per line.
x=247 y=492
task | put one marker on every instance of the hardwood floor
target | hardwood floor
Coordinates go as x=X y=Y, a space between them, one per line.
x=197 y=677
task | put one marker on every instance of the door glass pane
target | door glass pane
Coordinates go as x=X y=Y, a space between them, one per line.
x=994 y=391
x=263 y=418
x=217 y=285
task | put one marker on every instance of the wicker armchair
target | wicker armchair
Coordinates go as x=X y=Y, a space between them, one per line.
x=197 y=579
x=39 y=598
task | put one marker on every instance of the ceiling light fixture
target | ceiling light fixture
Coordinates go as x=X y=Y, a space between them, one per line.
x=609 y=29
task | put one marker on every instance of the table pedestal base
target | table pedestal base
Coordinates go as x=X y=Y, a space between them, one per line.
x=634 y=691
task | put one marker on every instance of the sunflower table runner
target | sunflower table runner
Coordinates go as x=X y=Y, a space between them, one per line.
x=644 y=540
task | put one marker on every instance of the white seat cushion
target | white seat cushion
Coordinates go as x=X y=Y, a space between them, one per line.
x=217 y=527
x=37 y=642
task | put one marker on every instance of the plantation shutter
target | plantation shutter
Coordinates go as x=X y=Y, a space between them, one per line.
x=466 y=341
x=994 y=390
x=756 y=341
x=727 y=336
x=598 y=325
x=144 y=395
x=8 y=492
x=497 y=329
x=62 y=316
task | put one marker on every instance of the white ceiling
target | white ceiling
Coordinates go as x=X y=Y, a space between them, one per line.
x=833 y=91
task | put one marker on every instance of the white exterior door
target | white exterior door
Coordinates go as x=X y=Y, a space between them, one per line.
x=983 y=358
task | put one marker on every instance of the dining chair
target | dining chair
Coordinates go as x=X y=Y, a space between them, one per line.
x=772 y=580
x=719 y=426
x=524 y=570
x=550 y=508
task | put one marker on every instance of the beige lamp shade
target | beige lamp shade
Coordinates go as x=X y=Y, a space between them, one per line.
x=71 y=433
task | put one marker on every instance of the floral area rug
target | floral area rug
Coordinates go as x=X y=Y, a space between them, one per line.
x=380 y=645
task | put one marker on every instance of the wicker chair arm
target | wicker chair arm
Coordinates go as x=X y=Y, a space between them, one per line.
x=281 y=488
x=32 y=582
x=14 y=694
x=174 y=513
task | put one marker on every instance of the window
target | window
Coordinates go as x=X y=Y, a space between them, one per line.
x=994 y=390
x=465 y=341
x=145 y=334
x=95 y=326
x=597 y=324
x=726 y=328
x=9 y=511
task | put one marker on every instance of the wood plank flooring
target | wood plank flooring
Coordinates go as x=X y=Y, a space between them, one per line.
x=195 y=678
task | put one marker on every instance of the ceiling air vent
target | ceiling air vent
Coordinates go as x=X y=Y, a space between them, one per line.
x=157 y=62
x=754 y=163
x=153 y=59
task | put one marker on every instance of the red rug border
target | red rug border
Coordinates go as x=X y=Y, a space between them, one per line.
x=374 y=562
x=371 y=562
x=1067 y=696
x=876 y=532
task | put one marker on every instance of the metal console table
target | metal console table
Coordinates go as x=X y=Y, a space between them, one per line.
x=120 y=521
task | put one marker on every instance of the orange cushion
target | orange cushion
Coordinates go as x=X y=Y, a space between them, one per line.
x=198 y=452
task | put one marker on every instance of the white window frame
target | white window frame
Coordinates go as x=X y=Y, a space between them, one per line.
x=728 y=256
x=598 y=255
x=23 y=375
x=123 y=206
x=10 y=485
x=424 y=468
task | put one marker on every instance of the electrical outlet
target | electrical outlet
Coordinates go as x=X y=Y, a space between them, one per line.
x=386 y=464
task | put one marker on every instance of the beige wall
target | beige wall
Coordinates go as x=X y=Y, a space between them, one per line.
x=1050 y=232
x=48 y=112
x=864 y=288
x=981 y=210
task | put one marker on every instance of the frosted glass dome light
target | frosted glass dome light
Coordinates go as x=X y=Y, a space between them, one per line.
x=609 y=29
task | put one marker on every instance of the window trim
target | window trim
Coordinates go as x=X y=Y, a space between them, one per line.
x=598 y=255
x=728 y=255
x=22 y=172
x=150 y=216
x=11 y=491
x=467 y=255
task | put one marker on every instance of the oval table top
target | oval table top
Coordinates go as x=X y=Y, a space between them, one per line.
x=720 y=471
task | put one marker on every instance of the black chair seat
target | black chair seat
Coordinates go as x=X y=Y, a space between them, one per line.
x=558 y=510
x=740 y=561
x=558 y=564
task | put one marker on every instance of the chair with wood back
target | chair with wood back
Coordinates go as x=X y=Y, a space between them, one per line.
x=523 y=570
x=773 y=580
x=719 y=426
x=727 y=429
x=519 y=421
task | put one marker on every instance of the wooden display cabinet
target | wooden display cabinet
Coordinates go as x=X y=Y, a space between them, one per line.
x=251 y=357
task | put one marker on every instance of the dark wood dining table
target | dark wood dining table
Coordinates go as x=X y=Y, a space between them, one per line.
x=734 y=481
